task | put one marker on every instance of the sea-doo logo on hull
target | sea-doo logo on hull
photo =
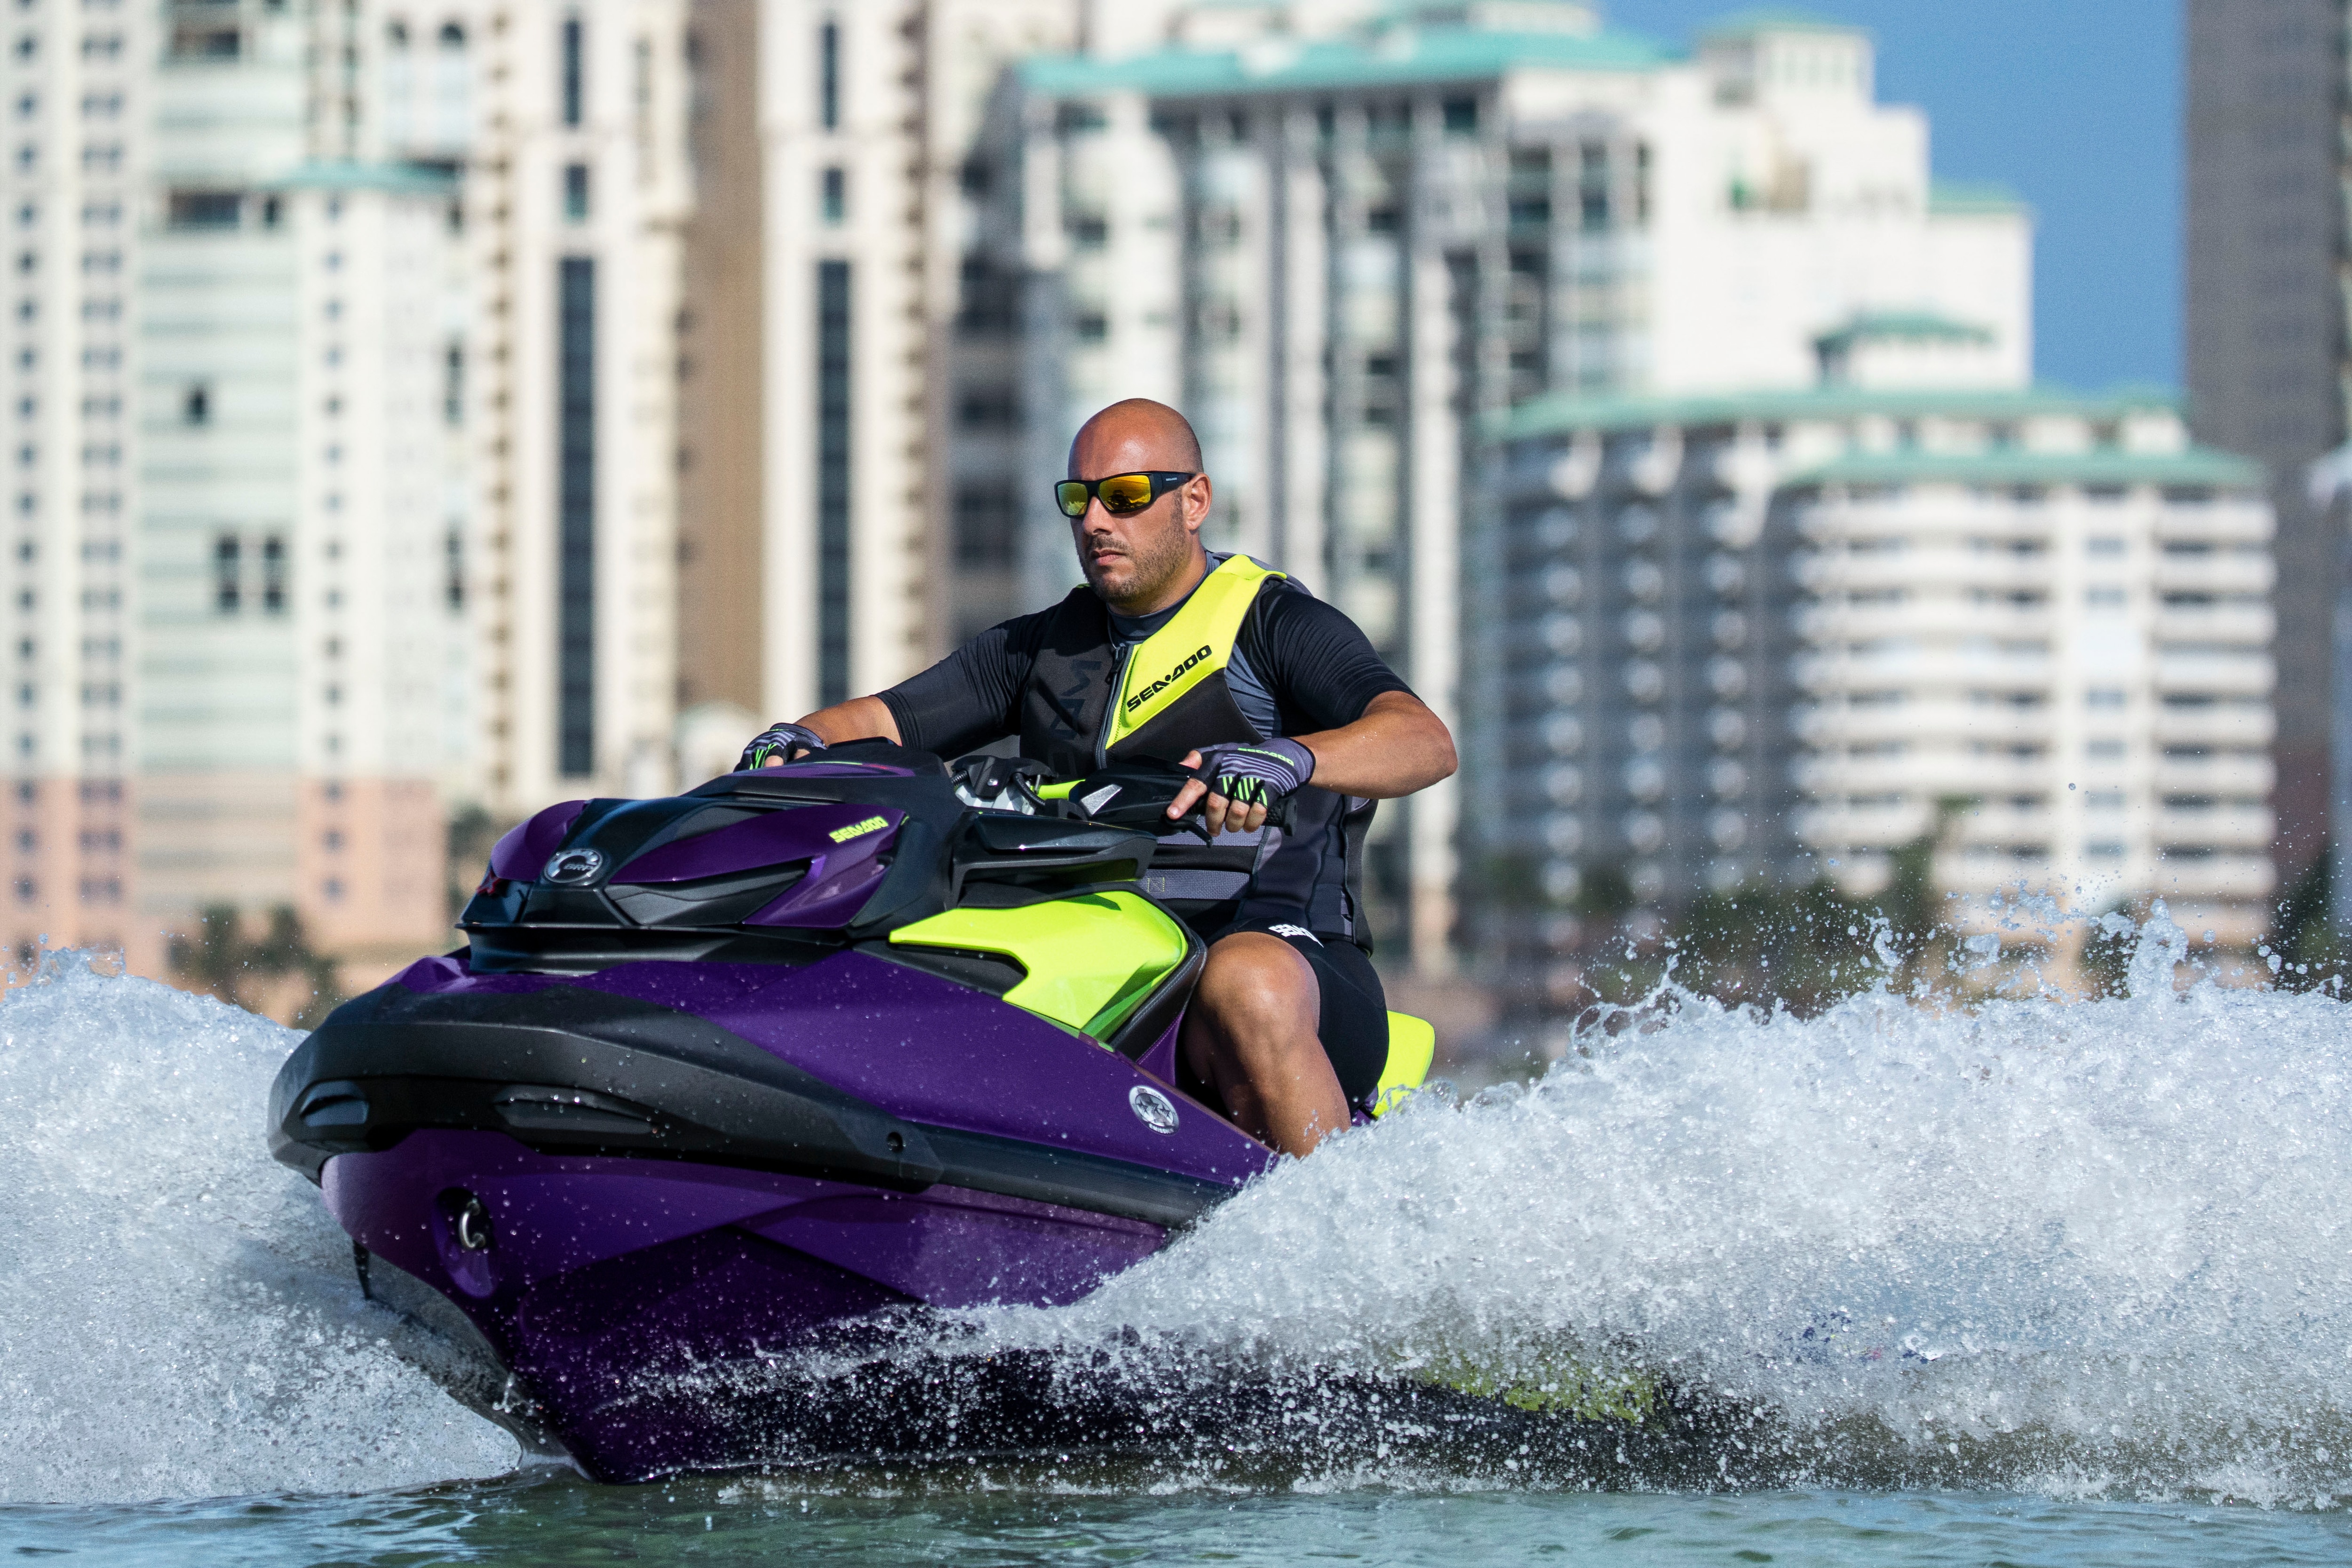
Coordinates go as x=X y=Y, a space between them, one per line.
x=1151 y=1108
x=1161 y=685
x=858 y=829
x=573 y=867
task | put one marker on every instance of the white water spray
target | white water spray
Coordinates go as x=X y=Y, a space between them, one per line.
x=2102 y=1245
x=178 y=1314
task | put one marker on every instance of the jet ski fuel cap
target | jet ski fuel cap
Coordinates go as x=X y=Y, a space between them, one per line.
x=1151 y=1108
x=572 y=868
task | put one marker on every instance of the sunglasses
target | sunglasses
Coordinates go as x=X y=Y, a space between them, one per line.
x=1122 y=495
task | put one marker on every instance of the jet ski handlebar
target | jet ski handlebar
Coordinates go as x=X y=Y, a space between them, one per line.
x=1133 y=795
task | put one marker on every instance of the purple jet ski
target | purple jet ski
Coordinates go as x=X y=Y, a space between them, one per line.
x=719 y=1074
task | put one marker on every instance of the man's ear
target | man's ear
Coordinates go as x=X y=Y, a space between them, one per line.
x=1195 y=497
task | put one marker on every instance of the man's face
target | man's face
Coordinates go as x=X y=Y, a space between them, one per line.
x=1136 y=561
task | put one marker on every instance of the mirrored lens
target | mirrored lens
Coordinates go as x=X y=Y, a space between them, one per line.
x=1071 y=496
x=1124 y=493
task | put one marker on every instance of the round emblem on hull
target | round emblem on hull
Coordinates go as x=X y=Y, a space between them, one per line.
x=569 y=867
x=1151 y=1108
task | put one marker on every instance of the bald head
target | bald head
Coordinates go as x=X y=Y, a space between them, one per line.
x=1132 y=436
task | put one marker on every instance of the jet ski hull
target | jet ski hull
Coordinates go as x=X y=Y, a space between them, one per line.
x=638 y=1181
x=636 y=1301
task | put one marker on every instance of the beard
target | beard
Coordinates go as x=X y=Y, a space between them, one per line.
x=1155 y=559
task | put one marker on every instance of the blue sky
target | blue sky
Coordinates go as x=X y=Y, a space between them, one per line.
x=2076 y=105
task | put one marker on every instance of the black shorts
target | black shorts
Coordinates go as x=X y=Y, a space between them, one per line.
x=1355 y=1019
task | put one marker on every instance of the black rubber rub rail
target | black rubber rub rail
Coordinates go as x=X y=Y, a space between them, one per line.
x=566 y=1071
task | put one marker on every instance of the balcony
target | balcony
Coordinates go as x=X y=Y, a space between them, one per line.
x=2250 y=624
x=2215 y=876
x=1848 y=828
x=2230 y=726
x=1830 y=671
x=2216 y=674
x=2230 y=571
x=2214 y=827
x=2229 y=773
x=2005 y=826
x=2218 y=523
x=1946 y=569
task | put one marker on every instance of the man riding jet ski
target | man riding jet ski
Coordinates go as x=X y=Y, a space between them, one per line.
x=719 y=1075
x=1226 y=667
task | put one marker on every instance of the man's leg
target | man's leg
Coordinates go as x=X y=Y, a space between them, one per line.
x=1251 y=1033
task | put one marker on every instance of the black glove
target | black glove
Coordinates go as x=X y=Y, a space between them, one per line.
x=1254 y=773
x=786 y=743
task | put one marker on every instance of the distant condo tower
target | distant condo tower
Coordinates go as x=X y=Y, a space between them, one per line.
x=339 y=359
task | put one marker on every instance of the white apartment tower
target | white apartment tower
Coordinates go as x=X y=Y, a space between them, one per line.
x=1776 y=636
x=1344 y=235
x=343 y=379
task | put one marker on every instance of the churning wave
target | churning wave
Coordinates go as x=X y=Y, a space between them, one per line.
x=2098 y=1247
x=178 y=1314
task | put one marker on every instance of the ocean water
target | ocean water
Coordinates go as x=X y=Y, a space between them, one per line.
x=2022 y=1282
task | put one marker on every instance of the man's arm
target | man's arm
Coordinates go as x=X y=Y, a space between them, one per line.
x=855 y=720
x=1398 y=746
x=963 y=701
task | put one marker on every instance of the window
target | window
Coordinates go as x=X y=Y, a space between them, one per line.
x=197 y=406
x=454 y=558
x=835 y=200
x=202 y=39
x=2103 y=545
x=575 y=511
x=273 y=574
x=987 y=409
x=2104 y=598
x=225 y=571
x=204 y=209
x=453 y=383
x=828 y=76
x=575 y=192
x=987 y=516
x=572 y=84
x=833 y=480
x=1461 y=117
x=452 y=37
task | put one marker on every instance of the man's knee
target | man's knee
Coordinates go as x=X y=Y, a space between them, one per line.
x=1252 y=978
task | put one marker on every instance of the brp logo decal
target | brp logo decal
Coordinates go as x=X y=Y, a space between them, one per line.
x=1151 y=1108
x=573 y=867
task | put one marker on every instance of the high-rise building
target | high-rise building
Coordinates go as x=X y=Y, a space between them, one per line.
x=819 y=495
x=342 y=370
x=576 y=197
x=79 y=206
x=1771 y=637
x=1343 y=237
x=2269 y=370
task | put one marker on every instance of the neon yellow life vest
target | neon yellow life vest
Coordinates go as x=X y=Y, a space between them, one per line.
x=1170 y=696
